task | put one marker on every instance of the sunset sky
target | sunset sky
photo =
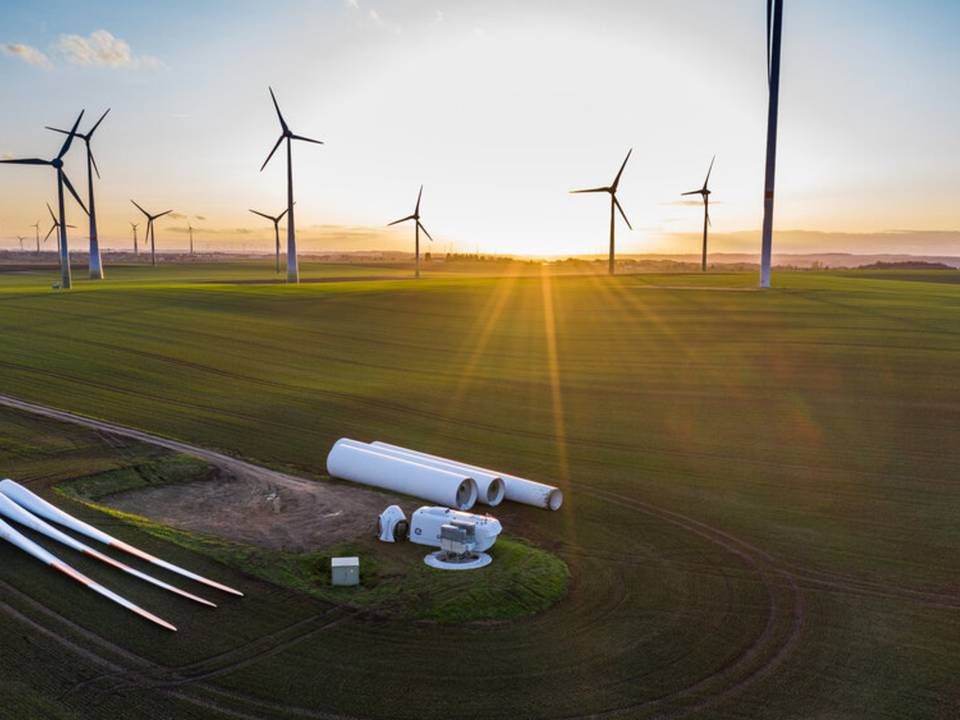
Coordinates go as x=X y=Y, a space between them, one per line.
x=498 y=108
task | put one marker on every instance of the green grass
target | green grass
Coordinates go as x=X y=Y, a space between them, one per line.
x=761 y=486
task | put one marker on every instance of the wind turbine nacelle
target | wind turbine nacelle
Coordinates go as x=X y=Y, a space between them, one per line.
x=427 y=522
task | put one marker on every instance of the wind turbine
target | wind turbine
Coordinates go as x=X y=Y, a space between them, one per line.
x=614 y=204
x=293 y=268
x=56 y=224
x=21 y=238
x=418 y=226
x=704 y=192
x=96 y=265
x=136 y=249
x=190 y=230
x=276 y=229
x=62 y=179
x=36 y=228
x=774 y=31
x=151 y=233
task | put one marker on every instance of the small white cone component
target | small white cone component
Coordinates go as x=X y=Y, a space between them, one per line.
x=31 y=548
x=38 y=506
x=517 y=489
x=12 y=511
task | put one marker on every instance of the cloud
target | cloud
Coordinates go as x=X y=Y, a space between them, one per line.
x=375 y=16
x=28 y=54
x=104 y=49
x=176 y=216
x=354 y=4
x=199 y=217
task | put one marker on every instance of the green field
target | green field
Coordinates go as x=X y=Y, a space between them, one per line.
x=761 y=488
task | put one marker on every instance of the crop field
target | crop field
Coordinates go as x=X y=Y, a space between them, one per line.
x=761 y=489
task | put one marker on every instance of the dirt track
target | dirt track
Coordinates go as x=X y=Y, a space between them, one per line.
x=245 y=502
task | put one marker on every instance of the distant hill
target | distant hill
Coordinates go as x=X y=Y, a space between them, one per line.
x=906 y=265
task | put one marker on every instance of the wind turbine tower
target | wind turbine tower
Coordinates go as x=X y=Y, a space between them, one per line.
x=276 y=230
x=614 y=206
x=774 y=31
x=151 y=232
x=418 y=226
x=293 y=267
x=136 y=249
x=704 y=192
x=96 y=264
x=62 y=179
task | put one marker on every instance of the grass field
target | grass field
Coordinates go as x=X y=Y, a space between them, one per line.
x=761 y=489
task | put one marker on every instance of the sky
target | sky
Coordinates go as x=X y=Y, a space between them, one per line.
x=499 y=109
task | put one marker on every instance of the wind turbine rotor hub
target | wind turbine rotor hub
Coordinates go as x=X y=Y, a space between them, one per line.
x=57 y=163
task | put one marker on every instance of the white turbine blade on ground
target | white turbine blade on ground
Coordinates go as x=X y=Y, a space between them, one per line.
x=37 y=505
x=31 y=548
x=12 y=511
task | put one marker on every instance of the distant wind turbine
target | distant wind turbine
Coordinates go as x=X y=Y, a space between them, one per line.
x=96 y=265
x=293 y=267
x=151 y=234
x=190 y=230
x=136 y=248
x=36 y=228
x=774 y=31
x=56 y=224
x=418 y=226
x=62 y=179
x=276 y=230
x=614 y=204
x=704 y=192
x=21 y=238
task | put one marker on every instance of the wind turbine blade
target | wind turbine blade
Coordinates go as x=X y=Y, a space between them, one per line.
x=31 y=548
x=66 y=181
x=69 y=140
x=165 y=212
x=38 y=506
x=283 y=123
x=709 y=170
x=279 y=140
x=403 y=219
x=280 y=216
x=12 y=511
x=301 y=137
x=424 y=230
x=140 y=208
x=419 y=195
x=73 y=227
x=622 y=213
x=590 y=190
x=50 y=232
x=52 y=216
x=616 y=180
x=57 y=130
x=94 y=161
x=26 y=161
x=264 y=215
x=692 y=192
x=96 y=124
